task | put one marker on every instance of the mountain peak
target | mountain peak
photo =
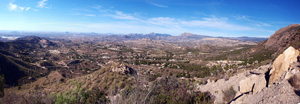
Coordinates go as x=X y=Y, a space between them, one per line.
x=187 y=34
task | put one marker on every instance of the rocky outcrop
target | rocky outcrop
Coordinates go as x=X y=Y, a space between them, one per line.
x=281 y=93
x=282 y=63
x=254 y=84
x=284 y=73
x=237 y=83
x=123 y=69
x=251 y=85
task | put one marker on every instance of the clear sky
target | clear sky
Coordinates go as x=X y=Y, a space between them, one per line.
x=260 y=18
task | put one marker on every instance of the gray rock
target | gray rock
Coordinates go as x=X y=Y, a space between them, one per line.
x=254 y=84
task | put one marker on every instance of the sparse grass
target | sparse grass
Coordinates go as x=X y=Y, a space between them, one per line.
x=259 y=57
x=154 y=77
x=90 y=88
x=127 y=91
x=171 y=91
x=225 y=56
x=195 y=69
x=199 y=71
x=146 y=62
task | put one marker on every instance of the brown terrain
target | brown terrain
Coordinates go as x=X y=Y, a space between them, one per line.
x=151 y=68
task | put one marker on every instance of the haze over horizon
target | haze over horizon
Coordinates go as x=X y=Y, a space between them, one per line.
x=214 y=18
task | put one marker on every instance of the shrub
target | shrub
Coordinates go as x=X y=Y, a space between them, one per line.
x=229 y=94
x=126 y=92
x=171 y=91
x=154 y=77
x=81 y=96
x=295 y=81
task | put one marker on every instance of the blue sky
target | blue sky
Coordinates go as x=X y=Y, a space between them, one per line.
x=260 y=18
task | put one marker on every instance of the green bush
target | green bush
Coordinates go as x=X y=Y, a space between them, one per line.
x=81 y=96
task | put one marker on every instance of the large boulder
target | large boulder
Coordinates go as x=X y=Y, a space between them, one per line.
x=282 y=63
x=281 y=93
x=254 y=84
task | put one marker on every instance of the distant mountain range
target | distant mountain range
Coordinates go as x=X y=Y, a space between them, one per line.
x=26 y=43
x=6 y=36
x=181 y=37
x=244 y=38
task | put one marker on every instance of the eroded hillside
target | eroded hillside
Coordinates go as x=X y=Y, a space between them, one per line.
x=152 y=68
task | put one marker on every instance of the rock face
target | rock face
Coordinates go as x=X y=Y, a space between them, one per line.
x=251 y=85
x=281 y=93
x=282 y=63
x=240 y=81
x=254 y=84
x=284 y=72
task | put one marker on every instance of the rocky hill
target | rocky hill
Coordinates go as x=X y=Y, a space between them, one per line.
x=280 y=40
x=28 y=43
x=15 y=64
x=17 y=72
